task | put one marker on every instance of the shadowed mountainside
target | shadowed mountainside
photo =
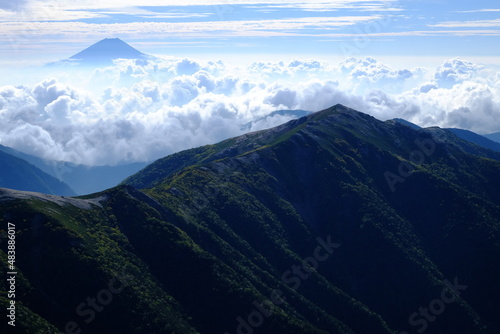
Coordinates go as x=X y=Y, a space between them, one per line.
x=15 y=173
x=81 y=179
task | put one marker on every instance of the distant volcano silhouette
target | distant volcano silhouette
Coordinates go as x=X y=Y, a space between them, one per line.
x=106 y=51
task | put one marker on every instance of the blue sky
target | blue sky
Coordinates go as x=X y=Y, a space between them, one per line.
x=33 y=28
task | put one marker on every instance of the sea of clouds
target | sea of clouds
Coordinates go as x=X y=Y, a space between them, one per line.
x=141 y=110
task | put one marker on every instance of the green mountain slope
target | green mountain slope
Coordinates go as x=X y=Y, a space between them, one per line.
x=16 y=173
x=333 y=223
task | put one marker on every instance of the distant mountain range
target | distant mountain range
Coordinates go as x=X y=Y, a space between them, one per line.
x=81 y=179
x=332 y=223
x=483 y=141
x=494 y=136
x=486 y=141
x=16 y=173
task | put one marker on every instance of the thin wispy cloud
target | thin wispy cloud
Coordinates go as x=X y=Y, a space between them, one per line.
x=491 y=10
x=334 y=6
x=422 y=33
x=469 y=24
x=94 y=4
x=283 y=27
x=53 y=8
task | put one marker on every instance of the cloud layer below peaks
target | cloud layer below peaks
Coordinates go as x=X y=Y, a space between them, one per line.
x=141 y=110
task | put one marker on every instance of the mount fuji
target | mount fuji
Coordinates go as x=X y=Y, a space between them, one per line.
x=104 y=52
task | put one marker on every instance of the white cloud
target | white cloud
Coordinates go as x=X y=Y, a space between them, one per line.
x=370 y=69
x=468 y=105
x=321 y=6
x=420 y=33
x=480 y=10
x=469 y=24
x=143 y=110
x=455 y=71
x=13 y=30
x=113 y=4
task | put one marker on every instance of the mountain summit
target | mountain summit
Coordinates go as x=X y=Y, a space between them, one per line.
x=107 y=50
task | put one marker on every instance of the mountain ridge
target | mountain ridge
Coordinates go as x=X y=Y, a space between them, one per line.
x=232 y=147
